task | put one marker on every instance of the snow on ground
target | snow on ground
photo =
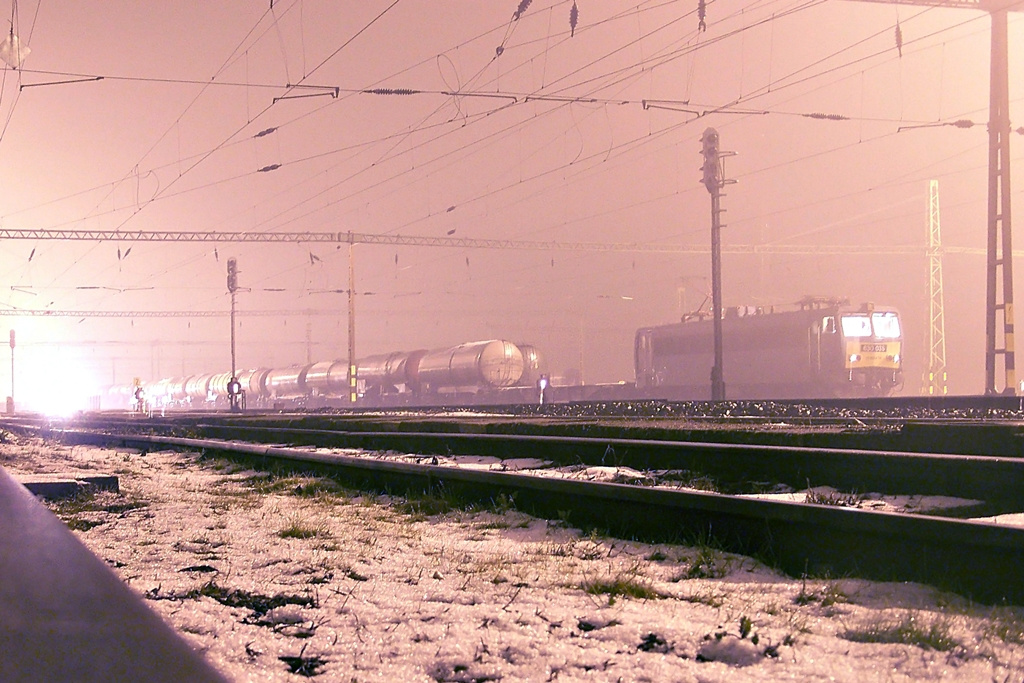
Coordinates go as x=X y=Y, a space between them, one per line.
x=1016 y=519
x=872 y=501
x=268 y=576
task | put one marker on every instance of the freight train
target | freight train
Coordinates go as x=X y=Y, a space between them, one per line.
x=475 y=372
x=821 y=348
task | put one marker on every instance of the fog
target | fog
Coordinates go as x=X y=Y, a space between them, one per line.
x=255 y=117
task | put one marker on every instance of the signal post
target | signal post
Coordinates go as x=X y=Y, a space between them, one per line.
x=234 y=386
x=714 y=180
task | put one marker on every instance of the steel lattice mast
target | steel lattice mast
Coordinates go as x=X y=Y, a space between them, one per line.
x=936 y=382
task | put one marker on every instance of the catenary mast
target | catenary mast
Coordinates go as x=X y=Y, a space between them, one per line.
x=999 y=280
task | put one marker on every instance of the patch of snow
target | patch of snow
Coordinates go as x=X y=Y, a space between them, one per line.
x=1015 y=519
x=731 y=650
x=870 y=501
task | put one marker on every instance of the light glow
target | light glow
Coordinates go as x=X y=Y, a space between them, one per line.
x=58 y=387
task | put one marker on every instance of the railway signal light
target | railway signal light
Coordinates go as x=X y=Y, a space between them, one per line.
x=234 y=388
x=712 y=164
x=232 y=275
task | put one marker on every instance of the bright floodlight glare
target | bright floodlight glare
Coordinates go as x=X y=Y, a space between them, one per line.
x=57 y=390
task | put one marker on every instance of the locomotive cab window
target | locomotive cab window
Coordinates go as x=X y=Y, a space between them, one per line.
x=856 y=326
x=886 y=325
x=828 y=324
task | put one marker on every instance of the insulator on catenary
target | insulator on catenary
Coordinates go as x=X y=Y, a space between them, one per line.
x=391 y=91
x=827 y=117
x=574 y=15
x=523 y=4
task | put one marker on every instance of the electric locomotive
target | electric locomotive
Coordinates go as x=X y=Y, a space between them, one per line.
x=825 y=348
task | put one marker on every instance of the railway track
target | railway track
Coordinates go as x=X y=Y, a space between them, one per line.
x=979 y=560
x=732 y=461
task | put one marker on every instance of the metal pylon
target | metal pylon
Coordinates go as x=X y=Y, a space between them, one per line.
x=935 y=381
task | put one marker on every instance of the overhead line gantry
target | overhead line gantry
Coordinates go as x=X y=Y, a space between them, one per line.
x=314 y=237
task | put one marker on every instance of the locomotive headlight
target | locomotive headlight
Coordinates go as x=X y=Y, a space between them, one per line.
x=896 y=358
x=854 y=357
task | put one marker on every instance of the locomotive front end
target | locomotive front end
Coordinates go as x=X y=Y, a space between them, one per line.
x=873 y=346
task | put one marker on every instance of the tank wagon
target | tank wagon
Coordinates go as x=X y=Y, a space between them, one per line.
x=825 y=348
x=490 y=364
x=533 y=365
